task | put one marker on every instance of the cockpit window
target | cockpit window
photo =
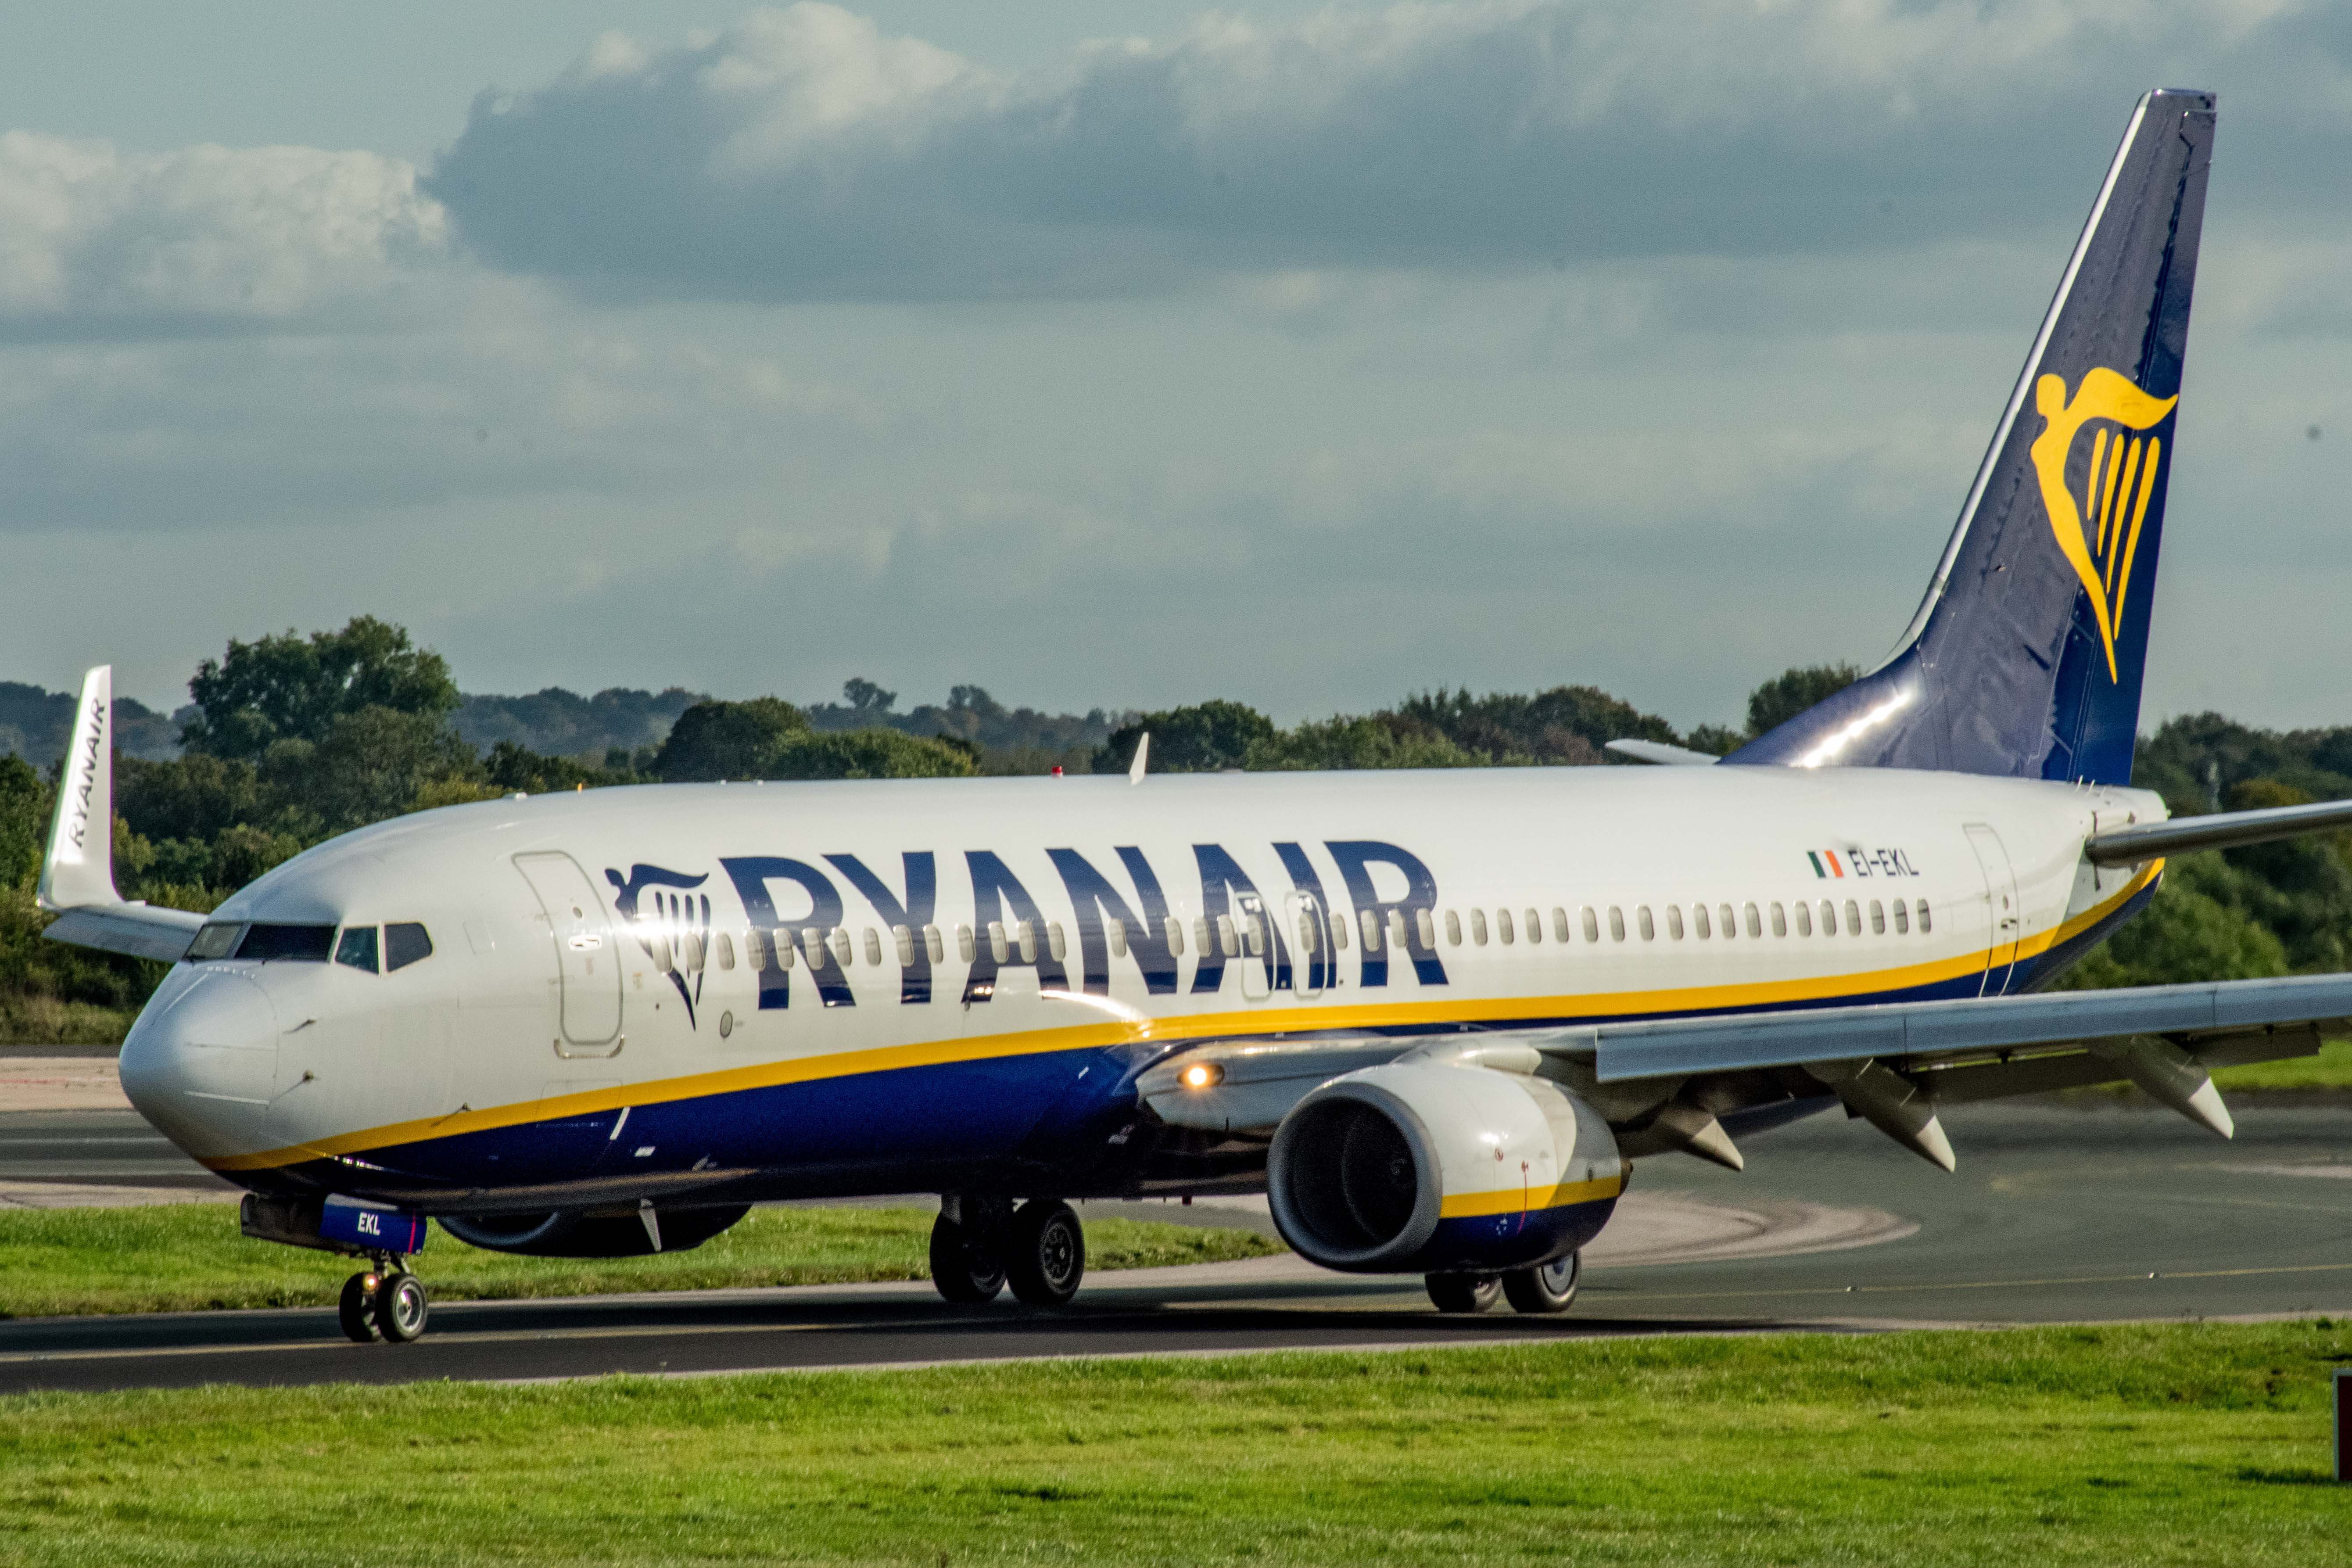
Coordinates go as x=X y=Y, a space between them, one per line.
x=357 y=948
x=405 y=944
x=288 y=943
x=216 y=939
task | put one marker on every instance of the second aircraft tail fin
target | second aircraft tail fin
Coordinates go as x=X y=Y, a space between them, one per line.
x=2024 y=658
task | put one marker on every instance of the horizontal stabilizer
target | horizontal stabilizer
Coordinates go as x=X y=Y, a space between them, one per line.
x=1660 y=753
x=2222 y=830
x=139 y=930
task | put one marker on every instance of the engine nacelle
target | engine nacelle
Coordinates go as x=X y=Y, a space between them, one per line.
x=1430 y=1167
x=592 y=1233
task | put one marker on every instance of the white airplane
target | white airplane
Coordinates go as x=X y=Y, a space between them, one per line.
x=1432 y=1016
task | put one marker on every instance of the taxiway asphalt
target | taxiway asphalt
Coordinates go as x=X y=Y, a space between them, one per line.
x=2057 y=1213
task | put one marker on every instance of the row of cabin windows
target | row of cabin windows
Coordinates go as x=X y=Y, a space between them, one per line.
x=1224 y=936
x=1723 y=921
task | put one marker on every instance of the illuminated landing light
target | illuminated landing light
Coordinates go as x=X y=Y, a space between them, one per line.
x=1834 y=745
x=1203 y=1075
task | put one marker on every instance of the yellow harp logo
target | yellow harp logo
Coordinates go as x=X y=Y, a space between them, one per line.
x=2100 y=536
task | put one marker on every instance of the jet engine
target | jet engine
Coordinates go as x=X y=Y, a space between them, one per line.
x=631 y=1232
x=1431 y=1166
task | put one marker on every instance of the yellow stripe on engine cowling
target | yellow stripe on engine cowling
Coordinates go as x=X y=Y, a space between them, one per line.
x=1524 y=1200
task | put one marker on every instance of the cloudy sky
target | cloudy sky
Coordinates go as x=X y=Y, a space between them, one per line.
x=1124 y=354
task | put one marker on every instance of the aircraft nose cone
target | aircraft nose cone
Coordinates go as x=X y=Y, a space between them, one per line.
x=200 y=1067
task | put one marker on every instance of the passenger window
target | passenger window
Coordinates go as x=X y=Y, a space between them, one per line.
x=217 y=940
x=1641 y=919
x=783 y=938
x=905 y=941
x=1173 y=929
x=1479 y=926
x=1829 y=917
x=1616 y=923
x=873 y=949
x=1534 y=923
x=1925 y=926
x=1027 y=931
x=1397 y=935
x=1699 y=922
x=1675 y=921
x=1200 y=937
x=1371 y=929
x=357 y=948
x=1116 y=929
x=1453 y=929
x=1901 y=918
x=1339 y=934
x=1055 y=940
x=755 y=951
x=1853 y=918
x=1503 y=927
x=1726 y=922
x=405 y=944
x=1427 y=928
x=1252 y=936
x=1305 y=934
x=999 y=948
x=1804 y=918
x=1591 y=925
x=1558 y=924
x=1878 y=917
x=1755 y=920
x=726 y=951
x=691 y=954
x=842 y=949
x=1780 y=921
x=1226 y=942
x=933 y=945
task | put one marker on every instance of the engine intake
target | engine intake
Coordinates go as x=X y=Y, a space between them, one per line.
x=1432 y=1166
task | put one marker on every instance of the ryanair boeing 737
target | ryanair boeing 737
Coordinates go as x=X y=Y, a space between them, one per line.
x=1432 y=1015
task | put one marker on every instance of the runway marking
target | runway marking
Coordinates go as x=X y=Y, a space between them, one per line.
x=1985 y=1284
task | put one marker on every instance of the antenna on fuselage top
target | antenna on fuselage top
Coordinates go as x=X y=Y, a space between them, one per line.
x=1142 y=750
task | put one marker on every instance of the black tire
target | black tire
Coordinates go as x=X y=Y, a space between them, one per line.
x=1463 y=1292
x=965 y=1269
x=1548 y=1287
x=401 y=1307
x=1045 y=1254
x=356 y=1309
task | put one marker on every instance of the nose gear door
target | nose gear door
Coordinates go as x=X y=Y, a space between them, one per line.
x=587 y=959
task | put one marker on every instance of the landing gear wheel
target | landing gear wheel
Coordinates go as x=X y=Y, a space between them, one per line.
x=1463 y=1292
x=1548 y=1288
x=1046 y=1253
x=357 y=1308
x=966 y=1270
x=401 y=1307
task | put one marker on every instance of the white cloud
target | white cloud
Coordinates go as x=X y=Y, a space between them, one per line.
x=96 y=241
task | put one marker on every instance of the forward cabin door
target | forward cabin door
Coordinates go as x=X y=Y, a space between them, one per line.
x=2001 y=902
x=587 y=959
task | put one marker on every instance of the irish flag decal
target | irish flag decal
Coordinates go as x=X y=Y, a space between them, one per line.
x=1825 y=863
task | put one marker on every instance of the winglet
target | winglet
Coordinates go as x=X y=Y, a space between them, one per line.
x=78 y=869
x=1142 y=750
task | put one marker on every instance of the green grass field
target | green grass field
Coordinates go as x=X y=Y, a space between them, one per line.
x=187 y=1257
x=2330 y=1070
x=2191 y=1444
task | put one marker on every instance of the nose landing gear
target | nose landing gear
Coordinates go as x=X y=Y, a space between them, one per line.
x=383 y=1302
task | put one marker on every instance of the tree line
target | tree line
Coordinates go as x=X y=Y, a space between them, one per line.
x=289 y=740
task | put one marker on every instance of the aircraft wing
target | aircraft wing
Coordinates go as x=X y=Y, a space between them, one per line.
x=77 y=868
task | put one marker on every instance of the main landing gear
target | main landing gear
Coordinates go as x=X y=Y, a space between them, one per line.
x=383 y=1302
x=1546 y=1289
x=978 y=1245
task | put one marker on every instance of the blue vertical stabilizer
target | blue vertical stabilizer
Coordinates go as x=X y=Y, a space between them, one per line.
x=2024 y=660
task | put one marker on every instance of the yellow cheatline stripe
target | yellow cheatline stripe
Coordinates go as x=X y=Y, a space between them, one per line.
x=1207 y=1025
x=1520 y=1200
